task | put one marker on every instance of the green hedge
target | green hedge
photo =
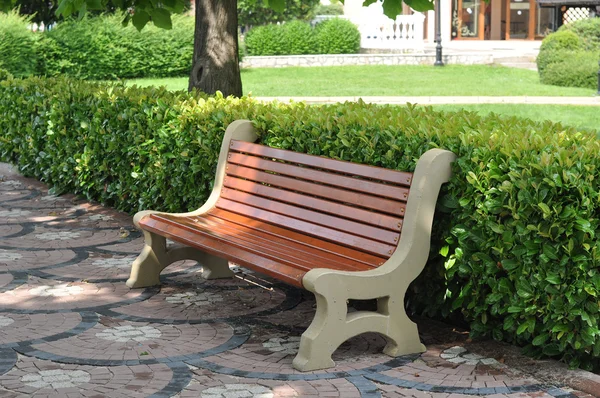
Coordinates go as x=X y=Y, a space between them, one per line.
x=338 y=36
x=575 y=69
x=266 y=40
x=18 y=45
x=515 y=248
x=101 y=48
x=568 y=56
x=334 y=36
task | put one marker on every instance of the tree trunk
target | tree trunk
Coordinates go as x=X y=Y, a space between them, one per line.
x=215 y=65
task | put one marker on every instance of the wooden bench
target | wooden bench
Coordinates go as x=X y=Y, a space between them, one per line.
x=328 y=226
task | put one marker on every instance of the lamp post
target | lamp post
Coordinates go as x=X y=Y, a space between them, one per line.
x=438 y=35
x=598 y=78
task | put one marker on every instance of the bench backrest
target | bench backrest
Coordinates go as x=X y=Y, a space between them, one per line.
x=357 y=206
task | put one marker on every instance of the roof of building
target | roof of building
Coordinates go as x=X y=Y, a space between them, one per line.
x=570 y=2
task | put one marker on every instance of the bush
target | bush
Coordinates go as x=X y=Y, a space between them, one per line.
x=5 y=75
x=568 y=56
x=515 y=247
x=338 y=36
x=299 y=38
x=329 y=9
x=101 y=48
x=555 y=47
x=18 y=45
x=258 y=12
x=266 y=40
x=578 y=69
x=588 y=30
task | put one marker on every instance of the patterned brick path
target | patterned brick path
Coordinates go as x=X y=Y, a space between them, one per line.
x=69 y=327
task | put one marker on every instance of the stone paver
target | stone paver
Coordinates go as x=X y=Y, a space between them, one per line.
x=69 y=327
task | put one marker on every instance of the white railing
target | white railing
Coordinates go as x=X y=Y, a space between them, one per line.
x=404 y=33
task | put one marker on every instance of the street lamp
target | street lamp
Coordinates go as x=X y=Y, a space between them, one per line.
x=598 y=77
x=438 y=36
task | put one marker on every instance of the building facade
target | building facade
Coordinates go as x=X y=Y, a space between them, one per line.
x=492 y=20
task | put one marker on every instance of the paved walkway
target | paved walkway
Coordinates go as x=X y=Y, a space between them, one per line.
x=69 y=327
x=434 y=100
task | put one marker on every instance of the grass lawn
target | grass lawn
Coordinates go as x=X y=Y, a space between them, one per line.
x=375 y=80
x=582 y=117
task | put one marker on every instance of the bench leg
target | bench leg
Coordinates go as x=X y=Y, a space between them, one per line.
x=215 y=267
x=323 y=336
x=147 y=267
x=402 y=334
x=333 y=325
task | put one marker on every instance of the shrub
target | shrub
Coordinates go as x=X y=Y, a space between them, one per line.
x=515 y=247
x=101 y=48
x=588 y=30
x=338 y=36
x=335 y=36
x=18 y=45
x=555 y=47
x=329 y=9
x=578 y=69
x=265 y=40
x=299 y=38
x=569 y=56
x=258 y=12
x=5 y=75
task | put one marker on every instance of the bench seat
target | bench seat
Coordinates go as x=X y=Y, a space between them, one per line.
x=278 y=252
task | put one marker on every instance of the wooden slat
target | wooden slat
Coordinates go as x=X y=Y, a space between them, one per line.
x=326 y=206
x=344 y=196
x=305 y=257
x=208 y=244
x=377 y=173
x=336 y=180
x=313 y=217
x=333 y=235
x=300 y=238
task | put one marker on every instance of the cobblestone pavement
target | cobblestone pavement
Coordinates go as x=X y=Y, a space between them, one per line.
x=69 y=327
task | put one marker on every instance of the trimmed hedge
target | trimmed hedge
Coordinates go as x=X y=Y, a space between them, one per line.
x=100 y=48
x=515 y=248
x=334 y=36
x=579 y=69
x=569 y=57
x=18 y=45
x=266 y=40
x=338 y=36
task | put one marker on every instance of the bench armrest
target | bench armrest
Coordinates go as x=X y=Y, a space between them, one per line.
x=240 y=130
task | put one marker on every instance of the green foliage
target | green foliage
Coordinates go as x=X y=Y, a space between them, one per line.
x=569 y=57
x=5 y=75
x=579 y=69
x=101 y=48
x=555 y=47
x=258 y=12
x=334 y=36
x=329 y=9
x=338 y=36
x=299 y=38
x=588 y=30
x=18 y=45
x=266 y=40
x=515 y=248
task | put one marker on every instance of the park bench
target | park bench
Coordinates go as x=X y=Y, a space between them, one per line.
x=328 y=226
